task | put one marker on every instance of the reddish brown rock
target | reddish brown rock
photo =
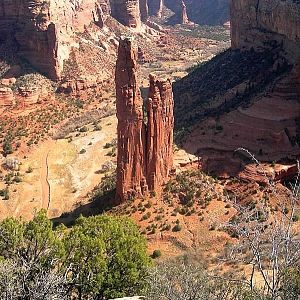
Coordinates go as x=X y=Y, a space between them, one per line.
x=29 y=96
x=81 y=86
x=126 y=12
x=131 y=179
x=184 y=17
x=159 y=132
x=6 y=97
x=284 y=173
x=144 y=151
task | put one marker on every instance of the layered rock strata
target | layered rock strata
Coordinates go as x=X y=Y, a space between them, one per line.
x=159 y=132
x=7 y=98
x=45 y=30
x=260 y=24
x=126 y=12
x=144 y=150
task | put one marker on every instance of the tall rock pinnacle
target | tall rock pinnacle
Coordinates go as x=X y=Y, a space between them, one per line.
x=131 y=128
x=184 y=16
x=159 y=132
x=145 y=151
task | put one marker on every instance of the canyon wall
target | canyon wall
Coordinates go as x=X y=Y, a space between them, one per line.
x=144 y=9
x=155 y=7
x=144 y=150
x=259 y=24
x=126 y=12
x=208 y=12
x=44 y=30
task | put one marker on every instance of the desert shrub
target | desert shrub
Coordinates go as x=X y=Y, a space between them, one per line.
x=156 y=254
x=42 y=262
x=177 y=228
x=180 y=279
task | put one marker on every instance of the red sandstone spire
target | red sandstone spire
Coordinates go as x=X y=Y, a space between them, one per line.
x=131 y=128
x=145 y=152
x=184 y=16
x=159 y=132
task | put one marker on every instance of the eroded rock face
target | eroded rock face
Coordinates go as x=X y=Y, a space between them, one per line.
x=126 y=12
x=45 y=30
x=257 y=23
x=145 y=151
x=159 y=132
x=131 y=171
x=7 y=98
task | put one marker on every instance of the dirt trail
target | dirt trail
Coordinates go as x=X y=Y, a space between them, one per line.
x=45 y=185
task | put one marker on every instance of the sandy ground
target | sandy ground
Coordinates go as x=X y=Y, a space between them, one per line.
x=61 y=176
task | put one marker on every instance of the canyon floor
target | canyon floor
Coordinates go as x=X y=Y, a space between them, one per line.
x=62 y=169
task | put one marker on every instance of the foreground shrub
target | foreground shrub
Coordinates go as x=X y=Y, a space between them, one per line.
x=100 y=257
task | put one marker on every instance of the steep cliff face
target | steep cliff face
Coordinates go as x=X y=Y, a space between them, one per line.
x=159 y=132
x=126 y=12
x=144 y=150
x=258 y=24
x=131 y=172
x=144 y=9
x=155 y=7
x=44 y=30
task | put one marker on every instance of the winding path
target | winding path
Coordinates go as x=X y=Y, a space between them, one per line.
x=45 y=185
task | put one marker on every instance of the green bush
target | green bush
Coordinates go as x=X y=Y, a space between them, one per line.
x=101 y=257
x=177 y=228
x=156 y=254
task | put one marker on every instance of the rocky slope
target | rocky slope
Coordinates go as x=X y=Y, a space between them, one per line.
x=255 y=100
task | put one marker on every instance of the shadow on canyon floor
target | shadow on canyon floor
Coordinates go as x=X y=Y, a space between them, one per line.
x=101 y=199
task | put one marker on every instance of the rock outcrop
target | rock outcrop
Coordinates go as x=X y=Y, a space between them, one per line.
x=260 y=24
x=7 y=98
x=144 y=150
x=183 y=17
x=159 y=132
x=131 y=171
x=44 y=30
x=82 y=86
x=126 y=12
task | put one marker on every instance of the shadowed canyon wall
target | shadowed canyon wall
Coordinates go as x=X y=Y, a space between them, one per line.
x=144 y=150
x=209 y=12
x=266 y=24
x=258 y=23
